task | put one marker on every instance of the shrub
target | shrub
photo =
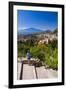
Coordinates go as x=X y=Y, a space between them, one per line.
x=48 y=54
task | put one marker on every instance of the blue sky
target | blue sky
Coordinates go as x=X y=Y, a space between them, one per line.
x=43 y=20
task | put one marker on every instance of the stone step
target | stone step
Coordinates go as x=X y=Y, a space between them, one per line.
x=45 y=73
x=28 y=72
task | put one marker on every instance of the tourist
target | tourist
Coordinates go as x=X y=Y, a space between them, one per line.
x=28 y=57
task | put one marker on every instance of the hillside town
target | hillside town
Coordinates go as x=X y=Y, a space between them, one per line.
x=42 y=38
x=47 y=37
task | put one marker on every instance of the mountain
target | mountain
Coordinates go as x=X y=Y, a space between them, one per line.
x=29 y=31
x=48 y=31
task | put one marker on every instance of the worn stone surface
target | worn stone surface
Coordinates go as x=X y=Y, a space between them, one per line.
x=46 y=73
x=28 y=72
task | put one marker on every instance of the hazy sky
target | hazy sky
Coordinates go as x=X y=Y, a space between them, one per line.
x=43 y=20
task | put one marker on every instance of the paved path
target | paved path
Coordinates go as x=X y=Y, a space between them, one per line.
x=30 y=72
x=45 y=73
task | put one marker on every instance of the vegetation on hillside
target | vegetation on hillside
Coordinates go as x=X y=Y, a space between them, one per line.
x=46 y=53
